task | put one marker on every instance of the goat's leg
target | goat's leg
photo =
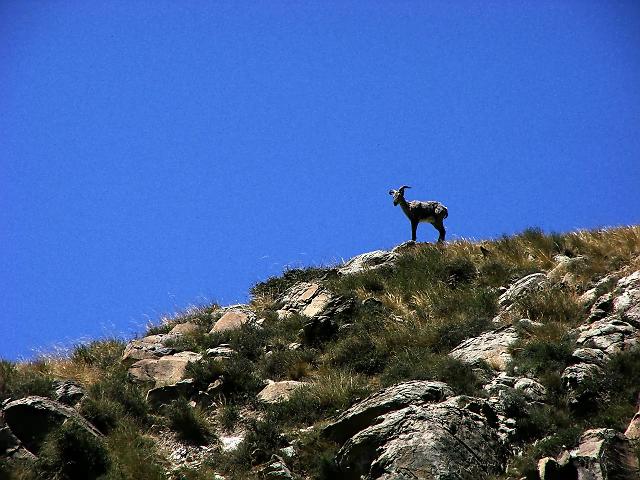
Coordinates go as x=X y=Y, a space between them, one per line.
x=440 y=227
x=414 y=227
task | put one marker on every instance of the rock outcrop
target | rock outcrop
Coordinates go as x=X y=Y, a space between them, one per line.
x=490 y=347
x=613 y=326
x=30 y=419
x=375 y=260
x=454 y=438
x=602 y=454
x=521 y=288
x=392 y=398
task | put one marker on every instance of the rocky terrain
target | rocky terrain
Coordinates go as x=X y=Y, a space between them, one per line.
x=514 y=359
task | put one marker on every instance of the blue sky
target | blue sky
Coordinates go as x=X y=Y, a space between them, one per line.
x=158 y=154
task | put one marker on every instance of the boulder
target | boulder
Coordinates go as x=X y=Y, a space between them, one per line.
x=580 y=381
x=317 y=305
x=398 y=396
x=609 y=335
x=30 y=419
x=165 y=370
x=590 y=355
x=233 y=319
x=276 y=468
x=451 y=439
x=167 y=393
x=604 y=454
x=533 y=391
x=490 y=347
x=369 y=261
x=185 y=328
x=68 y=392
x=566 y=265
x=522 y=288
x=148 y=347
x=277 y=392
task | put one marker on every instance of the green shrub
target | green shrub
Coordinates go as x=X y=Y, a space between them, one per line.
x=109 y=399
x=263 y=439
x=189 y=423
x=330 y=393
x=422 y=364
x=228 y=416
x=240 y=378
x=70 y=452
x=100 y=353
x=132 y=454
x=540 y=356
x=21 y=381
x=551 y=305
x=287 y=364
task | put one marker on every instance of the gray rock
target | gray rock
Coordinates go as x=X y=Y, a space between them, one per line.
x=369 y=261
x=152 y=346
x=276 y=468
x=490 y=347
x=633 y=430
x=521 y=288
x=609 y=335
x=451 y=439
x=532 y=390
x=32 y=418
x=68 y=392
x=362 y=414
x=577 y=380
x=166 y=394
x=318 y=330
x=590 y=355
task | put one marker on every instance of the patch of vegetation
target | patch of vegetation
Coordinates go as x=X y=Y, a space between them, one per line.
x=71 y=452
x=239 y=376
x=188 y=422
x=111 y=399
x=21 y=380
x=327 y=395
x=422 y=364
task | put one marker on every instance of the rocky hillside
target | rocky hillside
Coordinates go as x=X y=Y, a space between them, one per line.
x=514 y=358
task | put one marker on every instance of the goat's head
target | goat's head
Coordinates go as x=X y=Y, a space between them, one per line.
x=398 y=194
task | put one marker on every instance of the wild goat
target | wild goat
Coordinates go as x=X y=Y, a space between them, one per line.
x=432 y=212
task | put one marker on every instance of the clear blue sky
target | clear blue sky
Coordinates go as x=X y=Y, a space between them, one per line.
x=158 y=154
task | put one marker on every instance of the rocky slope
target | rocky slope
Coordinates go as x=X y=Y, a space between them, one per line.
x=519 y=359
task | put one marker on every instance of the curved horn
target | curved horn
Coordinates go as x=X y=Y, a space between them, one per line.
x=401 y=189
